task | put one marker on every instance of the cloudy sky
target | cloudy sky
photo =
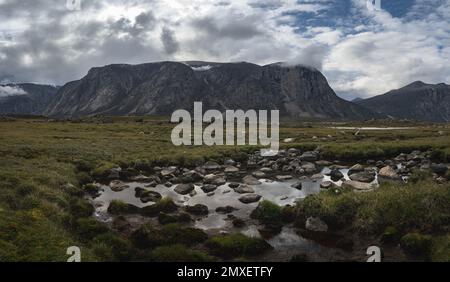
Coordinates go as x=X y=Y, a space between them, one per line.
x=362 y=51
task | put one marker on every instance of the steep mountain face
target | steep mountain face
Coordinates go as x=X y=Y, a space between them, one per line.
x=417 y=101
x=25 y=98
x=160 y=88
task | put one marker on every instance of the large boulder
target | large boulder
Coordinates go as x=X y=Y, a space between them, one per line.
x=249 y=198
x=359 y=186
x=388 y=172
x=363 y=176
x=250 y=180
x=184 y=189
x=214 y=179
x=244 y=189
x=197 y=209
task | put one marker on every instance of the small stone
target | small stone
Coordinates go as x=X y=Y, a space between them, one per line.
x=259 y=174
x=283 y=177
x=316 y=224
x=233 y=185
x=297 y=185
x=326 y=184
x=226 y=209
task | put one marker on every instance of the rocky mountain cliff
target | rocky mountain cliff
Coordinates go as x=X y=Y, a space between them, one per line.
x=416 y=101
x=25 y=98
x=160 y=88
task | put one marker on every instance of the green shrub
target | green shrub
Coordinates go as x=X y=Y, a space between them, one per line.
x=88 y=228
x=164 y=205
x=147 y=236
x=234 y=245
x=118 y=207
x=110 y=247
x=103 y=169
x=267 y=212
x=183 y=235
x=178 y=253
x=390 y=235
x=84 y=178
x=417 y=244
x=80 y=208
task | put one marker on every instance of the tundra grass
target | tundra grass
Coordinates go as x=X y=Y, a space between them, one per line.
x=38 y=157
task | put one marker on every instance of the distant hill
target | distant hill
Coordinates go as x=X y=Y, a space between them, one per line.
x=25 y=98
x=417 y=101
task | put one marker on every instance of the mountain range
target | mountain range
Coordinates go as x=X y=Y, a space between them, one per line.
x=160 y=88
x=416 y=101
x=163 y=87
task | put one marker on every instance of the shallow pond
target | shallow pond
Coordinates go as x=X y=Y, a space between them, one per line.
x=286 y=243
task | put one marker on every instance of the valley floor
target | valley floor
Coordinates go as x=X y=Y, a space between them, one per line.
x=47 y=171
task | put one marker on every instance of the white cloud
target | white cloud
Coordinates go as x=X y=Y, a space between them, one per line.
x=364 y=54
x=6 y=90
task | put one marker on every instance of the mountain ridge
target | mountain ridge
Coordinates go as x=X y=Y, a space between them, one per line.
x=416 y=101
x=160 y=88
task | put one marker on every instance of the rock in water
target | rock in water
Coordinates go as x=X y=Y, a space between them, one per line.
x=326 y=184
x=250 y=180
x=207 y=188
x=244 y=189
x=283 y=177
x=233 y=185
x=198 y=209
x=336 y=175
x=363 y=176
x=226 y=209
x=117 y=185
x=150 y=196
x=214 y=179
x=249 y=198
x=184 y=189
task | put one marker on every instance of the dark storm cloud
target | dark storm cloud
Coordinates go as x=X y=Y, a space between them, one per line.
x=238 y=28
x=169 y=41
